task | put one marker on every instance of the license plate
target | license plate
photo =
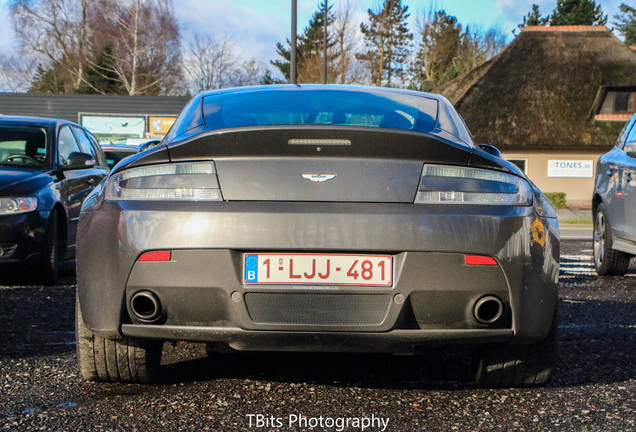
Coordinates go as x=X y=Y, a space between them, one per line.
x=318 y=269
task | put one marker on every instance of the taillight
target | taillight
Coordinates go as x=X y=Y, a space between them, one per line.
x=443 y=184
x=192 y=181
x=479 y=260
x=155 y=256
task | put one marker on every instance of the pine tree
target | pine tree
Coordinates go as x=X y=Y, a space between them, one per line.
x=577 y=12
x=310 y=67
x=312 y=39
x=268 y=79
x=285 y=53
x=309 y=45
x=534 y=18
x=626 y=23
x=99 y=77
x=52 y=79
x=387 y=39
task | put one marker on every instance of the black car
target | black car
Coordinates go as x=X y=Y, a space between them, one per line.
x=614 y=205
x=47 y=168
x=116 y=152
x=318 y=218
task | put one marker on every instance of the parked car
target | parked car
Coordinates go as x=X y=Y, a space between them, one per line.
x=318 y=218
x=47 y=168
x=149 y=145
x=614 y=205
x=116 y=152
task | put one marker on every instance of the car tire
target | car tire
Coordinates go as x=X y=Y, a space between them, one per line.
x=516 y=365
x=608 y=262
x=115 y=360
x=48 y=265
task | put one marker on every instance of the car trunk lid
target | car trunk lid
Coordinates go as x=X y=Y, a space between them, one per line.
x=320 y=164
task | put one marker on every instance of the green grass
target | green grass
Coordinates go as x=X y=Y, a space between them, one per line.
x=579 y=221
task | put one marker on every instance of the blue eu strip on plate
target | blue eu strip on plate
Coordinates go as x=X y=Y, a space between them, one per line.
x=251 y=268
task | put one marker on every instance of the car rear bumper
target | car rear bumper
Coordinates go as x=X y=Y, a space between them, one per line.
x=240 y=339
x=203 y=295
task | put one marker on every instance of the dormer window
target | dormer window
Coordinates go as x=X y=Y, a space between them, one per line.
x=619 y=101
x=618 y=104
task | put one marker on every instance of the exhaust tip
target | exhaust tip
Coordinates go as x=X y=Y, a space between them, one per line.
x=145 y=305
x=488 y=309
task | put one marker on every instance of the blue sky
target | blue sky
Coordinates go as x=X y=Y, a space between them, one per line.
x=255 y=26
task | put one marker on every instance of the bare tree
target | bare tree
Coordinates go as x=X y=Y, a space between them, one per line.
x=345 y=35
x=311 y=69
x=445 y=51
x=477 y=46
x=211 y=63
x=56 y=31
x=440 y=40
x=250 y=72
x=17 y=72
x=145 y=57
x=208 y=62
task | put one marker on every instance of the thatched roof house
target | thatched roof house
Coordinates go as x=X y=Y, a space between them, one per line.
x=546 y=88
x=553 y=94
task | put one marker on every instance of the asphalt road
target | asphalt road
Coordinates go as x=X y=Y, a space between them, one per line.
x=594 y=388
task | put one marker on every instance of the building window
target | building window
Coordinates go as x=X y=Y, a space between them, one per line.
x=521 y=163
x=624 y=102
x=619 y=101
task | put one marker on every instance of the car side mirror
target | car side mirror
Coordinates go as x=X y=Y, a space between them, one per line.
x=490 y=149
x=630 y=149
x=77 y=160
x=148 y=145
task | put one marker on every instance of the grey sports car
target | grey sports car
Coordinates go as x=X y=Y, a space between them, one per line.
x=318 y=218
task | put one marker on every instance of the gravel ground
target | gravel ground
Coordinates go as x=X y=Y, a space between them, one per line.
x=594 y=388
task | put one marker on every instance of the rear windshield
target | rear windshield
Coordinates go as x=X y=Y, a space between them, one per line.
x=320 y=107
x=23 y=146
